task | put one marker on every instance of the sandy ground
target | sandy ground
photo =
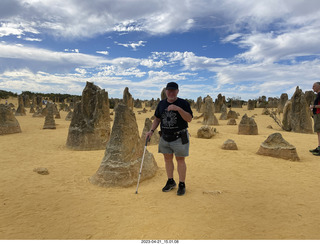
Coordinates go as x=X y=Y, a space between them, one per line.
x=261 y=197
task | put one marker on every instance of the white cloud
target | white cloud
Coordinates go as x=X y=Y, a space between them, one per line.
x=270 y=61
x=32 y=39
x=71 y=50
x=7 y=29
x=268 y=78
x=132 y=44
x=231 y=37
x=189 y=61
x=103 y=52
x=150 y=63
x=80 y=18
x=272 y=47
x=113 y=70
x=81 y=71
x=48 y=58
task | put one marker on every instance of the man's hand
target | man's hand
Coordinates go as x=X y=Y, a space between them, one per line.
x=311 y=107
x=149 y=134
x=185 y=115
x=173 y=107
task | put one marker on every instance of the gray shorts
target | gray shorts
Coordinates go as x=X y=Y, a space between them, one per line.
x=176 y=147
x=316 y=119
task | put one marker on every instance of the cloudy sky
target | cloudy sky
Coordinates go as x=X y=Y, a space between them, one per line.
x=240 y=48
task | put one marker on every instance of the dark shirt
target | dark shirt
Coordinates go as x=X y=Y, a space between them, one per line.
x=171 y=121
x=316 y=102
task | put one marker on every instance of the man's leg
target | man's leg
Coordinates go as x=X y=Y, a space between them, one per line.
x=168 y=158
x=182 y=168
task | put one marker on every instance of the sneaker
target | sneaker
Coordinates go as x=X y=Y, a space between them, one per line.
x=182 y=189
x=169 y=186
x=315 y=150
x=316 y=153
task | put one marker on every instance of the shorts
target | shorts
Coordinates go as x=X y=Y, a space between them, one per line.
x=316 y=119
x=176 y=147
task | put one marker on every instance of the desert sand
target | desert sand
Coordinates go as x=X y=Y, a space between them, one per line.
x=230 y=194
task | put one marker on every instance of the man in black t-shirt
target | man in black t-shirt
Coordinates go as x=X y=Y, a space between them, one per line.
x=316 y=116
x=173 y=115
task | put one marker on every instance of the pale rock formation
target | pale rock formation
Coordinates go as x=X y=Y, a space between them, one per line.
x=247 y=126
x=8 y=122
x=90 y=125
x=121 y=163
x=276 y=146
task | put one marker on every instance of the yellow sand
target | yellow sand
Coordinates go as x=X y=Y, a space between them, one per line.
x=261 y=197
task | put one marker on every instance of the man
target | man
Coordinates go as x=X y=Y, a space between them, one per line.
x=174 y=114
x=316 y=116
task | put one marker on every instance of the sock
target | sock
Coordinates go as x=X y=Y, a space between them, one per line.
x=170 y=179
x=181 y=183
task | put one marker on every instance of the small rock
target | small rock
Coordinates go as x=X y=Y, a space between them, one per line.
x=265 y=111
x=41 y=171
x=269 y=127
x=232 y=121
x=229 y=145
x=276 y=146
x=232 y=114
x=206 y=132
x=215 y=192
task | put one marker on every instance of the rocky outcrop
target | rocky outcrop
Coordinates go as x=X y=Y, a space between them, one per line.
x=198 y=104
x=265 y=111
x=282 y=102
x=272 y=102
x=127 y=98
x=218 y=103
x=208 y=114
x=49 y=122
x=232 y=115
x=20 y=110
x=8 y=122
x=236 y=103
x=232 y=121
x=229 y=145
x=163 y=94
x=69 y=116
x=296 y=115
x=155 y=138
x=251 y=104
x=137 y=103
x=247 y=126
x=121 y=163
x=224 y=115
x=90 y=125
x=206 y=132
x=276 y=146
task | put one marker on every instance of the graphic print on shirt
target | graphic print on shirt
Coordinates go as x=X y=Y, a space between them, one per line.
x=169 y=119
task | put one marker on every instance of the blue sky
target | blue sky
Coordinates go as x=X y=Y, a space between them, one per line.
x=238 y=48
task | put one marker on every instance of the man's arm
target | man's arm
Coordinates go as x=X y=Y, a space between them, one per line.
x=185 y=115
x=154 y=126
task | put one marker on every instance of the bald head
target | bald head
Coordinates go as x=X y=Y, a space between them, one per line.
x=316 y=87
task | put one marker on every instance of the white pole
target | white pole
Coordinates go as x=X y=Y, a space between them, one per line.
x=144 y=152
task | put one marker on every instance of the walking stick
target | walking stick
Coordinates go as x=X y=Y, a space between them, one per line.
x=144 y=152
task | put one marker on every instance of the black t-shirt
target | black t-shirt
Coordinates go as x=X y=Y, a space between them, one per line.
x=316 y=102
x=171 y=121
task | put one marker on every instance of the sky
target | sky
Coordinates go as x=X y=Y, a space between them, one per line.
x=239 y=48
